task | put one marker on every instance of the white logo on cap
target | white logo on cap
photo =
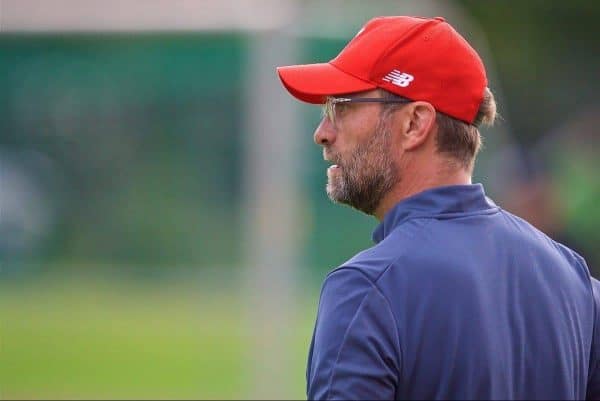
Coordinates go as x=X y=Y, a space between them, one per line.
x=398 y=78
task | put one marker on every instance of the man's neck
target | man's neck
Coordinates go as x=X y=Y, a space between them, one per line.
x=414 y=184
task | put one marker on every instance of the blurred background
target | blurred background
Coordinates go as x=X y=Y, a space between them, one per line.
x=164 y=228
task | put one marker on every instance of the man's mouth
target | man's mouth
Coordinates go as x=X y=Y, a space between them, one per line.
x=334 y=167
x=335 y=164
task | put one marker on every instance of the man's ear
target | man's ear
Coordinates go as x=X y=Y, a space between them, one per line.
x=419 y=123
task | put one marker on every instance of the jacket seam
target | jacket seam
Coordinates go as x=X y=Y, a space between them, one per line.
x=375 y=287
x=346 y=333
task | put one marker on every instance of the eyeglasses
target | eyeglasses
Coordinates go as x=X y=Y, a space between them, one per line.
x=334 y=108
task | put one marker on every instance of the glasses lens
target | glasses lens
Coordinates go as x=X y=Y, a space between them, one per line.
x=329 y=109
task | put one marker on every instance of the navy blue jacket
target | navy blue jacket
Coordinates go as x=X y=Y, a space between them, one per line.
x=458 y=299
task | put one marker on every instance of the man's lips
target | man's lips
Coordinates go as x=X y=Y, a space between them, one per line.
x=333 y=165
x=334 y=160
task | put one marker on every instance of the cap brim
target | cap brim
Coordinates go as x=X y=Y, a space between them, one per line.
x=312 y=83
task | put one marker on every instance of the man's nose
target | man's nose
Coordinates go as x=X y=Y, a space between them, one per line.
x=325 y=133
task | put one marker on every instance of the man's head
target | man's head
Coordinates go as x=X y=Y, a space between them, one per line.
x=402 y=104
x=365 y=168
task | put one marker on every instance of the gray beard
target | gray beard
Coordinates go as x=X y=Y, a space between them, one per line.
x=367 y=175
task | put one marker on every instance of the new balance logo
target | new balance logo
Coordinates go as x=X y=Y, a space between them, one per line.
x=399 y=78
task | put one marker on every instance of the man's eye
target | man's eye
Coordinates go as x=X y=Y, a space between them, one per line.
x=341 y=108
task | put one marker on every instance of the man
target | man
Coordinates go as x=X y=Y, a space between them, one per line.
x=457 y=299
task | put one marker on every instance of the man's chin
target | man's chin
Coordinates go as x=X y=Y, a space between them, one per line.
x=337 y=194
x=334 y=192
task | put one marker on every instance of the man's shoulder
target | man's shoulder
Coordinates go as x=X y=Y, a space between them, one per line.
x=429 y=245
x=531 y=233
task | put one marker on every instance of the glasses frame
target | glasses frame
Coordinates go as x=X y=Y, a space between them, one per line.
x=329 y=105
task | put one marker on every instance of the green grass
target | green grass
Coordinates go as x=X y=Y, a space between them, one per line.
x=83 y=338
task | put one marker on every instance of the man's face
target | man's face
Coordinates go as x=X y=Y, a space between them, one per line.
x=361 y=146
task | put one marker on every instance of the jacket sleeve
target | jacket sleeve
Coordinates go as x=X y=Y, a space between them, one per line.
x=593 y=387
x=355 y=348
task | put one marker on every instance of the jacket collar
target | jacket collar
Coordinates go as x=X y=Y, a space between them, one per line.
x=445 y=201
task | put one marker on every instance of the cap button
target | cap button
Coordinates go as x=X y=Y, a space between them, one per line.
x=440 y=19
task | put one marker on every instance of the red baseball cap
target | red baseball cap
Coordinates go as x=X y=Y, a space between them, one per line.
x=417 y=58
